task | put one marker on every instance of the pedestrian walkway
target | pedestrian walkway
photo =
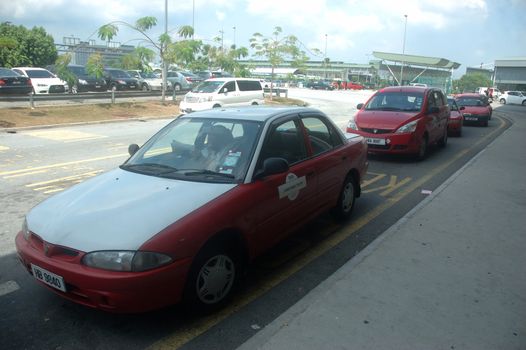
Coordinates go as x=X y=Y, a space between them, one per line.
x=449 y=275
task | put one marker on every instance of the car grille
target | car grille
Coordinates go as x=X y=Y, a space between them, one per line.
x=376 y=131
x=49 y=249
x=378 y=146
x=53 y=89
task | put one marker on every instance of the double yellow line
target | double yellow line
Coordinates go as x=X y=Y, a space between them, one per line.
x=191 y=331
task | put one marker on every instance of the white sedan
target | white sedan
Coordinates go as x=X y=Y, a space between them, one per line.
x=43 y=81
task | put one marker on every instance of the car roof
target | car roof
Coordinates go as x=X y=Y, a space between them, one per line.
x=230 y=79
x=29 y=68
x=406 y=89
x=250 y=113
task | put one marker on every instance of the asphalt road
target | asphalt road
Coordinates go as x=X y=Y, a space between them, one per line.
x=34 y=164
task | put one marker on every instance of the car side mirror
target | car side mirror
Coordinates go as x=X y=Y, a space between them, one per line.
x=462 y=108
x=272 y=166
x=359 y=106
x=224 y=90
x=133 y=148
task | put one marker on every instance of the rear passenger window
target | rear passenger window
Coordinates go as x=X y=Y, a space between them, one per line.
x=322 y=137
x=249 y=85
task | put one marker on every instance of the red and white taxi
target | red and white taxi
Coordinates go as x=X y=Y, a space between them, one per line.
x=189 y=209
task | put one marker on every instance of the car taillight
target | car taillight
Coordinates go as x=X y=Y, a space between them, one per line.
x=2 y=82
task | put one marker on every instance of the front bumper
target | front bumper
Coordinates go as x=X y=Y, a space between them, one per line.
x=475 y=119
x=391 y=143
x=123 y=292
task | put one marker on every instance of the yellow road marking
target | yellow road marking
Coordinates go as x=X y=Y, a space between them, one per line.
x=191 y=331
x=64 y=135
x=25 y=174
x=58 y=189
x=378 y=177
x=66 y=178
x=58 y=165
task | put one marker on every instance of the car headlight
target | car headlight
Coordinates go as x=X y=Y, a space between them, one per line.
x=408 y=128
x=352 y=125
x=25 y=230
x=131 y=261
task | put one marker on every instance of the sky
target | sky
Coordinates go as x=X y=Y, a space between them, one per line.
x=470 y=32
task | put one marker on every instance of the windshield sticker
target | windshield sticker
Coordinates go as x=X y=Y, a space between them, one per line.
x=292 y=186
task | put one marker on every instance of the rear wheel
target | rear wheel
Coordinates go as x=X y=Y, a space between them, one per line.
x=503 y=101
x=524 y=103
x=422 y=151
x=177 y=87
x=145 y=87
x=343 y=210
x=443 y=141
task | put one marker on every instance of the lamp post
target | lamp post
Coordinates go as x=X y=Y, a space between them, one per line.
x=403 y=53
x=234 y=37
x=163 y=49
x=325 y=59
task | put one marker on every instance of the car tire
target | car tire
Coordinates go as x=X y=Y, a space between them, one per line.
x=74 y=89
x=503 y=101
x=145 y=87
x=343 y=209
x=422 y=151
x=485 y=124
x=524 y=103
x=177 y=87
x=254 y=103
x=443 y=140
x=213 y=276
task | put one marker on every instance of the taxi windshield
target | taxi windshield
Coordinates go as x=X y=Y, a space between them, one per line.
x=198 y=149
x=396 y=101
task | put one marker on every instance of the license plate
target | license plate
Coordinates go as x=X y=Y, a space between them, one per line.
x=48 y=278
x=374 y=141
x=470 y=118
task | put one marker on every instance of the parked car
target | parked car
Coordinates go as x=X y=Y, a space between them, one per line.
x=477 y=108
x=191 y=78
x=403 y=120
x=207 y=74
x=148 y=81
x=456 y=118
x=491 y=92
x=86 y=82
x=354 y=86
x=513 y=97
x=118 y=79
x=178 y=81
x=223 y=92
x=319 y=85
x=169 y=225
x=12 y=83
x=43 y=81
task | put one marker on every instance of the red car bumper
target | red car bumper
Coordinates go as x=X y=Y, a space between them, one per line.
x=391 y=143
x=107 y=290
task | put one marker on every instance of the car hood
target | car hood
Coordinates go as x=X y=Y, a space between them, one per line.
x=118 y=210
x=383 y=119
x=47 y=81
x=475 y=110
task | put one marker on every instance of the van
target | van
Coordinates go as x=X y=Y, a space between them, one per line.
x=223 y=92
x=493 y=91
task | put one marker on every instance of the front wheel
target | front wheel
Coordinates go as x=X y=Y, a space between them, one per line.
x=343 y=209
x=503 y=101
x=212 y=277
x=422 y=151
x=177 y=87
x=443 y=141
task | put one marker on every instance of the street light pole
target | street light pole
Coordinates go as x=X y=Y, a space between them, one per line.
x=234 y=37
x=325 y=58
x=403 y=53
x=163 y=53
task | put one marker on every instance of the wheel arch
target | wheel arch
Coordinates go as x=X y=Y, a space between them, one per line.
x=355 y=175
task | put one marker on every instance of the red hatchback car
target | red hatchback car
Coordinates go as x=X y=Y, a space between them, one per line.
x=403 y=120
x=477 y=108
x=182 y=217
x=456 y=118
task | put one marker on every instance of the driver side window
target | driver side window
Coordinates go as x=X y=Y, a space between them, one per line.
x=285 y=140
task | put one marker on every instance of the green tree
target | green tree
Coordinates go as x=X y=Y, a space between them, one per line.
x=142 y=25
x=95 y=65
x=138 y=59
x=63 y=72
x=22 y=47
x=275 y=49
x=470 y=82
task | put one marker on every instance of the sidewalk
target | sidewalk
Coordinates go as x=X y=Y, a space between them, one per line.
x=451 y=274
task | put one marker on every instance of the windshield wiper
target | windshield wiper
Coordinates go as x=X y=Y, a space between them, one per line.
x=149 y=167
x=189 y=172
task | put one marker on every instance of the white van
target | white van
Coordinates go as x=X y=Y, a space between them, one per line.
x=222 y=92
x=495 y=93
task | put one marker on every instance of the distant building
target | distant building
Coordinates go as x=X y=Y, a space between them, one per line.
x=510 y=74
x=398 y=69
x=81 y=50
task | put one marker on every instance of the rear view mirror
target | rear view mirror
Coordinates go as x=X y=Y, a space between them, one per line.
x=133 y=148
x=462 y=108
x=359 y=106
